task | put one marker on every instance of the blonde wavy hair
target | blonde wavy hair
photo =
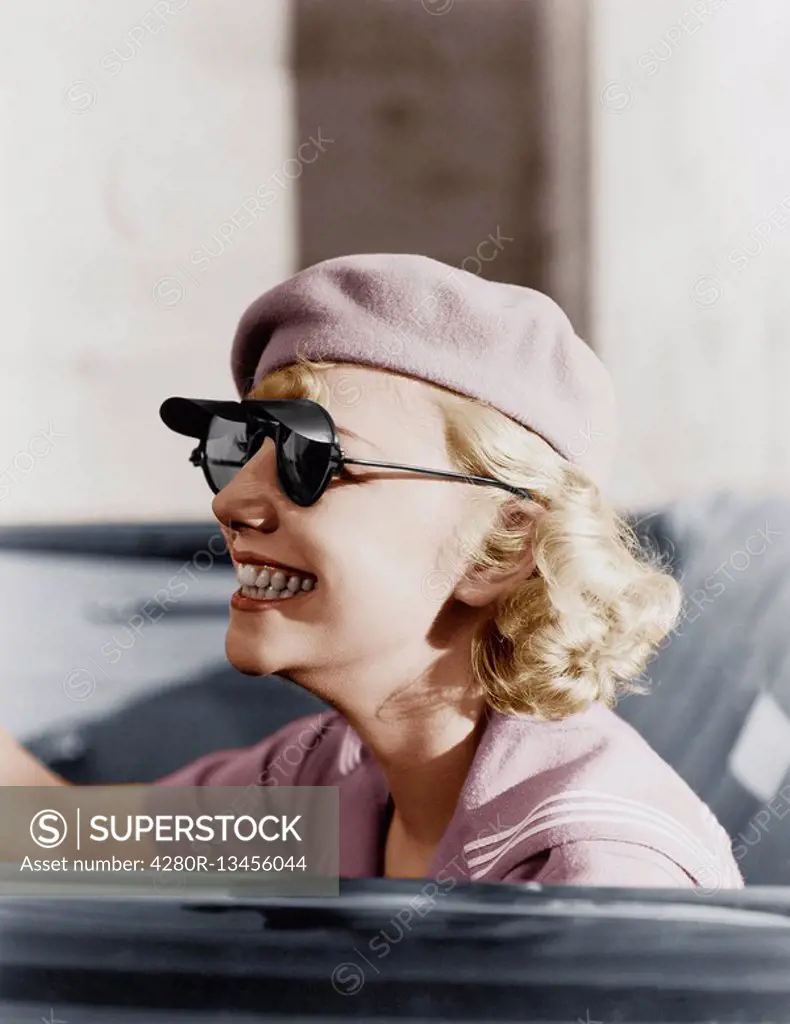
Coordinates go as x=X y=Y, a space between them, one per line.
x=584 y=626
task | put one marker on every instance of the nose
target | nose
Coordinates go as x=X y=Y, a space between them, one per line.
x=251 y=498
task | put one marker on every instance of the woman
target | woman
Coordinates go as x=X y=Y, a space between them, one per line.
x=435 y=560
x=471 y=635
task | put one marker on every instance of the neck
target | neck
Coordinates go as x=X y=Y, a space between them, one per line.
x=424 y=746
x=425 y=784
x=421 y=720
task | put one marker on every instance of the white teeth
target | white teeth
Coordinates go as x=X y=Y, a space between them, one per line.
x=246 y=575
x=269 y=583
x=278 y=580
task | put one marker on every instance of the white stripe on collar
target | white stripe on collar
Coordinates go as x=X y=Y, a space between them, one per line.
x=588 y=806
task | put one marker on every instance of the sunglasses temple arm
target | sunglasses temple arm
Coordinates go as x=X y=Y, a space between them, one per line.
x=197 y=458
x=446 y=474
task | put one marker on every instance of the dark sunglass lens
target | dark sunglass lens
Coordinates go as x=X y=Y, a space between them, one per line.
x=226 y=450
x=304 y=466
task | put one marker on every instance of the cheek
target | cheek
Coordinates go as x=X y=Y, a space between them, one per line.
x=388 y=545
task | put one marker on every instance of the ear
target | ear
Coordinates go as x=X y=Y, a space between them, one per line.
x=480 y=586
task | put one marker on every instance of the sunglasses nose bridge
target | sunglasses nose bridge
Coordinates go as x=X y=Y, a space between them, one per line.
x=256 y=436
x=258 y=428
x=248 y=489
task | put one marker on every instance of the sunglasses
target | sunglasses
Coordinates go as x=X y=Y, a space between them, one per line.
x=308 y=452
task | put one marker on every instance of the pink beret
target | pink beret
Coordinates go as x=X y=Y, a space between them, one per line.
x=503 y=344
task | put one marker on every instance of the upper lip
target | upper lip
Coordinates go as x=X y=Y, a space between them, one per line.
x=250 y=558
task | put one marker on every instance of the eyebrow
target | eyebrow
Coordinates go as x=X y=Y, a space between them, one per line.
x=345 y=432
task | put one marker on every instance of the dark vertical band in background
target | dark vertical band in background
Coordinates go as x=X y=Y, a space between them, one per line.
x=564 y=81
x=449 y=128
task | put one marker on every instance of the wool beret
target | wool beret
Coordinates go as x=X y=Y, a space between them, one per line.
x=506 y=345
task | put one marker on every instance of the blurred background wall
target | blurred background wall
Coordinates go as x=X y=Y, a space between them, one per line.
x=164 y=161
x=690 y=210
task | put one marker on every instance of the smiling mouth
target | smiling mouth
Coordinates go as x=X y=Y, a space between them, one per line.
x=270 y=583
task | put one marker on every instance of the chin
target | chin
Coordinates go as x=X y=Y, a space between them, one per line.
x=247 y=657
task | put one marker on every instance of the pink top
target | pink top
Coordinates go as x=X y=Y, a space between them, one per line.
x=583 y=801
